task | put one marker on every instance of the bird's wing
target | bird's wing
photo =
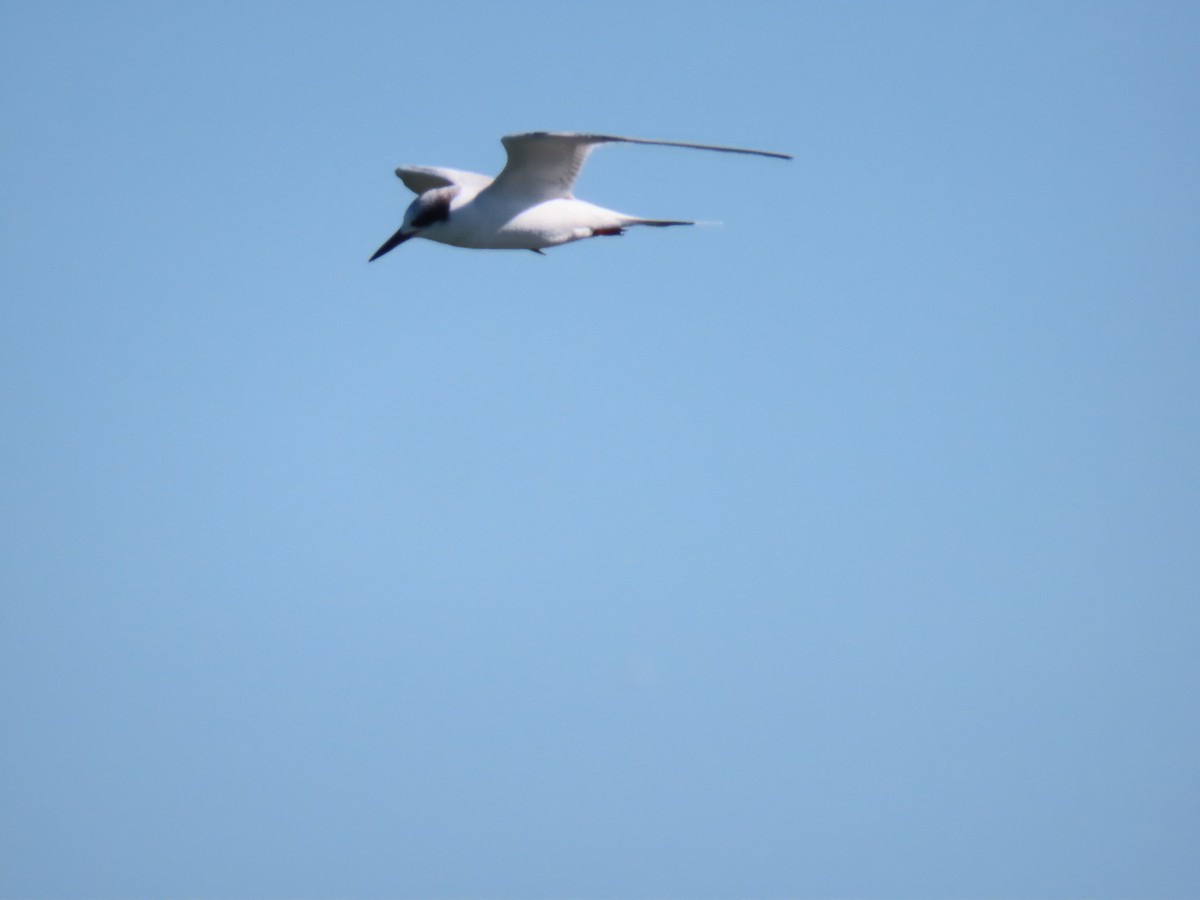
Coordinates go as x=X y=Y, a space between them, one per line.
x=420 y=179
x=543 y=165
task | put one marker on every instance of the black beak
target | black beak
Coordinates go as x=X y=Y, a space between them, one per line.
x=391 y=243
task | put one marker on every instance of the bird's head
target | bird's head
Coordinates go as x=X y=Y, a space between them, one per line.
x=427 y=210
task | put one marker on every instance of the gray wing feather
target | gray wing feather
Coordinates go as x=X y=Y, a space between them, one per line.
x=420 y=179
x=616 y=139
x=543 y=165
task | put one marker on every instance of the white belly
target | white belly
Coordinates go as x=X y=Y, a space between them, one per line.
x=482 y=226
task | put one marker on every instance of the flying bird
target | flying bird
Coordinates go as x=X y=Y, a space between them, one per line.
x=529 y=205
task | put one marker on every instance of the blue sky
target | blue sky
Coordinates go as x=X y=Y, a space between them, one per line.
x=850 y=548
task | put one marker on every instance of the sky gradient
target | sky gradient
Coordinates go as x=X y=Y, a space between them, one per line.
x=848 y=548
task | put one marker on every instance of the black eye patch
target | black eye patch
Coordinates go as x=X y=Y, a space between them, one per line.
x=437 y=211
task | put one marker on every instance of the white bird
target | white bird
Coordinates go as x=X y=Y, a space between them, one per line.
x=529 y=205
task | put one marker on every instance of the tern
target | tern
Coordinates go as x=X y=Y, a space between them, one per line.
x=529 y=205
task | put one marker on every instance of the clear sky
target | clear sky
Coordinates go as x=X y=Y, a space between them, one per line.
x=848 y=549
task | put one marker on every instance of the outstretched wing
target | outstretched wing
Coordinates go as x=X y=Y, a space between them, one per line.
x=543 y=165
x=420 y=179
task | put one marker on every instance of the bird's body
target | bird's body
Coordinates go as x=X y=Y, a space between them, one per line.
x=528 y=206
x=484 y=221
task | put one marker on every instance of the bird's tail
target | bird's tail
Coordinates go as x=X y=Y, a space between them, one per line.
x=660 y=223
